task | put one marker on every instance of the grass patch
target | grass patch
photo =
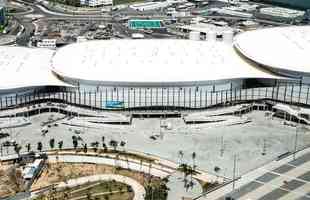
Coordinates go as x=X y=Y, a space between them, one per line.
x=97 y=190
x=156 y=189
x=207 y=186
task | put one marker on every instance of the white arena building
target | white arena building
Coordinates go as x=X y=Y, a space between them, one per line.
x=283 y=50
x=25 y=68
x=161 y=73
x=152 y=63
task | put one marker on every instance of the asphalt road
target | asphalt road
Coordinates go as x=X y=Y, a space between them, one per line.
x=23 y=39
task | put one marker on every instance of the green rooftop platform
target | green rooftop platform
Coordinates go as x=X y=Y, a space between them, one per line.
x=144 y=24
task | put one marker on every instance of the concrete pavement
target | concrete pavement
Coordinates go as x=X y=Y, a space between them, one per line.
x=283 y=179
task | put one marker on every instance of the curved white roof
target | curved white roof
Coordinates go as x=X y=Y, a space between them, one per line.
x=285 y=48
x=26 y=67
x=152 y=62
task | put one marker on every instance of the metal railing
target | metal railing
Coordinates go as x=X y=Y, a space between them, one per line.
x=162 y=98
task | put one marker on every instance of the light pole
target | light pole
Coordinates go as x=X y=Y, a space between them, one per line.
x=296 y=138
x=1 y=149
x=234 y=171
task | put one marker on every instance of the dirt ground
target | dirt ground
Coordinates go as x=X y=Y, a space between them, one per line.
x=59 y=172
x=10 y=180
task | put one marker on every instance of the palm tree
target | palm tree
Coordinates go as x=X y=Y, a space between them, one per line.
x=28 y=146
x=186 y=169
x=194 y=157
x=60 y=144
x=116 y=158
x=113 y=144
x=40 y=146
x=122 y=144
x=141 y=163
x=95 y=146
x=52 y=143
x=105 y=149
x=150 y=167
x=181 y=155
x=85 y=148
x=194 y=166
x=17 y=149
x=75 y=142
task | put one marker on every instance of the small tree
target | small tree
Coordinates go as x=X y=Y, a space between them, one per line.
x=60 y=144
x=181 y=155
x=28 y=146
x=113 y=144
x=105 y=148
x=95 y=146
x=52 y=143
x=75 y=142
x=122 y=144
x=85 y=148
x=194 y=157
x=17 y=149
x=40 y=146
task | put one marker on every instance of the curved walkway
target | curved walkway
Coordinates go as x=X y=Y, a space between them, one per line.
x=161 y=167
x=154 y=169
x=139 y=191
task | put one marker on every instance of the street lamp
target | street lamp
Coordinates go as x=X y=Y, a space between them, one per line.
x=234 y=171
x=1 y=149
x=296 y=138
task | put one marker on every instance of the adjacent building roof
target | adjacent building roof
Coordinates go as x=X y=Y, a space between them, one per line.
x=282 y=12
x=283 y=49
x=26 y=67
x=205 y=28
x=154 y=62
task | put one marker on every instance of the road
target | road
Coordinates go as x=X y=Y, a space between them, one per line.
x=23 y=38
x=36 y=9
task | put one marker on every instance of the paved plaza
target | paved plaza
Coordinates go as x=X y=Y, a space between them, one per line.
x=256 y=143
x=214 y=145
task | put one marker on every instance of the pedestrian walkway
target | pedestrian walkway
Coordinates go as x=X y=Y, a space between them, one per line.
x=144 y=167
x=285 y=179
